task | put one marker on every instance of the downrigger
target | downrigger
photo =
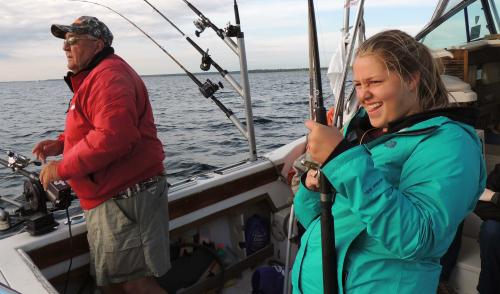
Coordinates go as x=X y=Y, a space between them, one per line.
x=36 y=205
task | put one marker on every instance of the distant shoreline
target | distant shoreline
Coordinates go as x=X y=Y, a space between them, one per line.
x=234 y=72
x=196 y=73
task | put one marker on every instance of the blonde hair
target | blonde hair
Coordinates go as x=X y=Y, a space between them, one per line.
x=403 y=55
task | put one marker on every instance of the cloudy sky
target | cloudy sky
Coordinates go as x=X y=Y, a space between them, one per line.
x=275 y=32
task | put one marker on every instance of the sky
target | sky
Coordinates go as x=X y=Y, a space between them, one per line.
x=275 y=32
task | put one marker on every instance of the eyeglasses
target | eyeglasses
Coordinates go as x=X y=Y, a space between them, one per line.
x=73 y=40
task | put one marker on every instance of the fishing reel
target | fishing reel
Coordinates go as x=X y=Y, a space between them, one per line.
x=206 y=61
x=58 y=194
x=18 y=161
x=232 y=31
x=201 y=24
x=33 y=210
x=209 y=88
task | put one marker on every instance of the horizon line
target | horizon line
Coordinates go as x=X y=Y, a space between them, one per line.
x=184 y=74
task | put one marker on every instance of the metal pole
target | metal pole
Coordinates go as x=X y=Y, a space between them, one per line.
x=286 y=283
x=248 y=101
x=224 y=73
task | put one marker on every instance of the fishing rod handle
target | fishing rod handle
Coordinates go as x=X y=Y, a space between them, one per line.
x=326 y=190
x=329 y=256
x=229 y=113
x=320 y=114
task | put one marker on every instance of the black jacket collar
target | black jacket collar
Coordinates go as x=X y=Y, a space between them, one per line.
x=361 y=123
x=466 y=115
x=93 y=63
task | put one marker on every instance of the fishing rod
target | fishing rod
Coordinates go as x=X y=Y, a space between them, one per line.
x=18 y=162
x=207 y=89
x=239 y=50
x=327 y=193
x=231 y=31
x=340 y=105
x=206 y=60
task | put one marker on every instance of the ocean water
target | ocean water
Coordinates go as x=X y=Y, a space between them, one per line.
x=196 y=135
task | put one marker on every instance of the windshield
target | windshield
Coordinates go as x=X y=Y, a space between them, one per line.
x=494 y=11
x=451 y=32
x=466 y=25
x=450 y=5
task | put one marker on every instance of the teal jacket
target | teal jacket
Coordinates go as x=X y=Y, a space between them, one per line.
x=399 y=201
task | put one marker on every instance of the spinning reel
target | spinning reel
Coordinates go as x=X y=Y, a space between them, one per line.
x=201 y=24
x=18 y=162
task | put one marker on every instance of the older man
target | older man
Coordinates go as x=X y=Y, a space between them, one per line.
x=113 y=160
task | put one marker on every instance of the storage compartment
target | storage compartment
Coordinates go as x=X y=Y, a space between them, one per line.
x=476 y=64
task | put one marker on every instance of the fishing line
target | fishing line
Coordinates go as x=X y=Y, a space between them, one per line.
x=320 y=25
x=168 y=20
x=239 y=50
x=207 y=61
x=198 y=83
x=204 y=21
x=229 y=31
x=207 y=89
x=324 y=52
x=3 y=150
x=141 y=30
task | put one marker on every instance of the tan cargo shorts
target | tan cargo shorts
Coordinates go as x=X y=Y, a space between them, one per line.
x=128 y=238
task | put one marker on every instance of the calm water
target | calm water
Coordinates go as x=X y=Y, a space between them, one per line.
x=196 y=135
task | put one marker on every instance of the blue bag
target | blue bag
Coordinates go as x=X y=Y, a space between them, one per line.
x=256 y=234
x=268 y=280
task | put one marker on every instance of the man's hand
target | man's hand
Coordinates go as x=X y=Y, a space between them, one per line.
x=49 y=173
x=322 y=140
x=47 y=148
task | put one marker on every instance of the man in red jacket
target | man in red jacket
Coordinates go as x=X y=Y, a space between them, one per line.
x=113 y=160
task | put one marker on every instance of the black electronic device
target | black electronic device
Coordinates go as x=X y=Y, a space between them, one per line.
x=40 y=223
x=59 y=194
